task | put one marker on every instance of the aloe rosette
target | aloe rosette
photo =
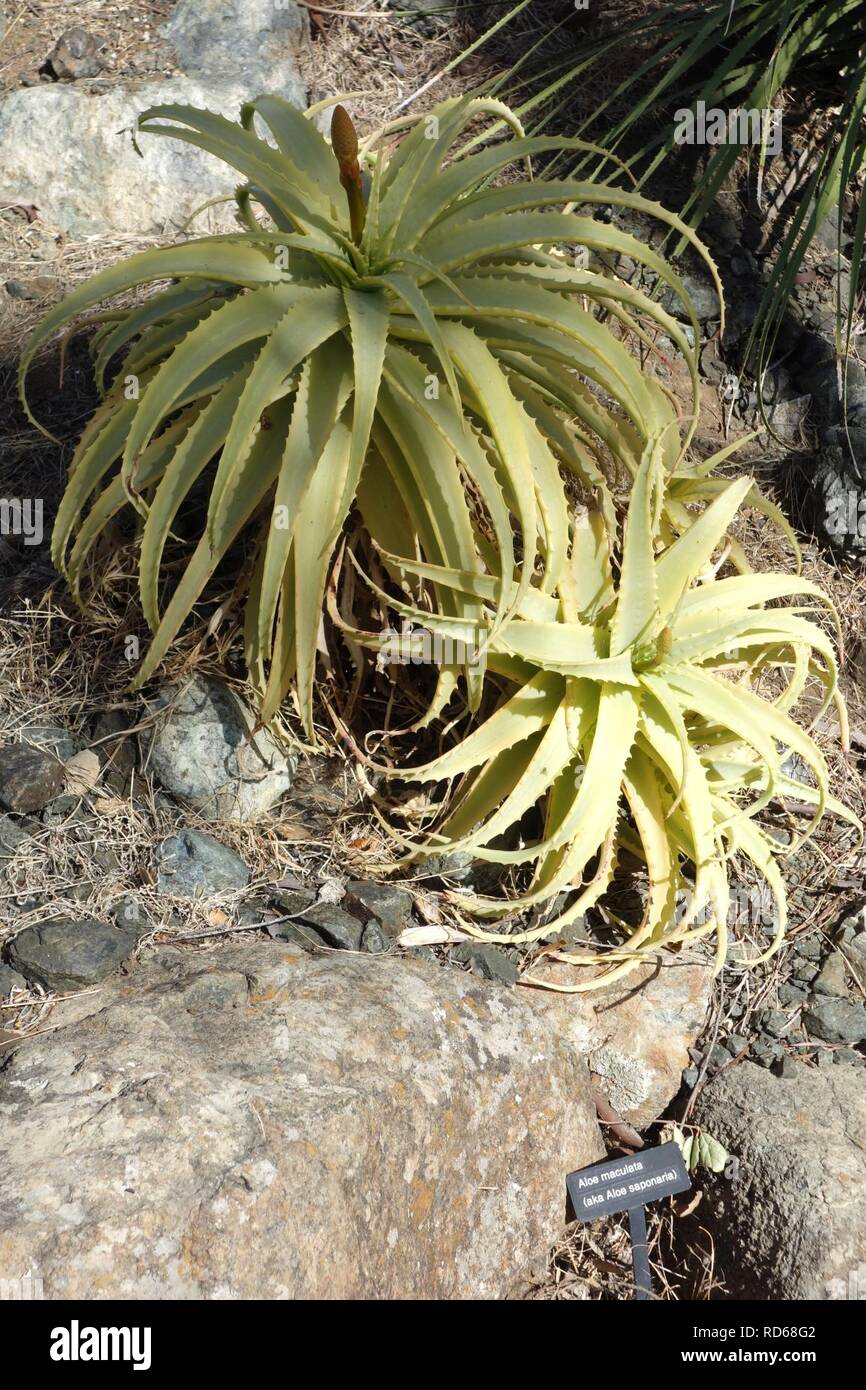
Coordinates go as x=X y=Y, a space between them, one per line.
x=648 y=706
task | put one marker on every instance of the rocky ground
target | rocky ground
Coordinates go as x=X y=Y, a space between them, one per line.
x=212 y=997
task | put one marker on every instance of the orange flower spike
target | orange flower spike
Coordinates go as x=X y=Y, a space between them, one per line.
x=344 y=140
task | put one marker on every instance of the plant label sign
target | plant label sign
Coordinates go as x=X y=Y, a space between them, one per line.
x=619 y=1184
x=625 y=1184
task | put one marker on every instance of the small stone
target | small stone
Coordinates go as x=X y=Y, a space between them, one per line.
x=36 y=287
x=835 y=1020
x=192 y=864
x=206 y=751
x=702 y=294
x=257 y=913
x=62 y=807
x=373 y=939
x=15 y=831
x=765 y=1052
x=487 y=960
x=298 y=933
x=67 y=954
x=423 y=953
x=774 y=1022
x=129 y=915
x=825 y=1058
x=786 y=1068
x=810 y=947
x=806 y=971
x=832 y=977
x=336 y=927
x=848 y=1054
x=53 y=738
x=75 y=55
x=9 y=980
x=735 y=1043
x=387 y=904
x=29 y=777
x=690 y=1077
x=852 y=924
x=291 y=899
x=792 y=994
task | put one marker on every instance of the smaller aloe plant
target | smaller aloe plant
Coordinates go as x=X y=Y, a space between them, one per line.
x=650 y=710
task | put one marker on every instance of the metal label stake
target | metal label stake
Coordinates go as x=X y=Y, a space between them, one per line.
x=627 y=1184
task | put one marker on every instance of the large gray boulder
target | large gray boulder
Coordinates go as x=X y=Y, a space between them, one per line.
x=260 y=1123
x=793 y=1223
x=205 y=751
x=70 y=151
x=257 y=37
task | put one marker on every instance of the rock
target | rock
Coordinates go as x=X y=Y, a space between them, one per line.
x=297 y=934
x=832 y=978
x=373 y=939
x=10 y=979
x=128 y=914
x=29 y=777
x=76 y=54
x=774 y=1022
x=68 y=954
x=15 y=831
x=54 y=738
x=766 y=1052
x=222 y=37
x=487 y=960
x=36 y=287
x=848 y=1055
x=792 y=994
x=835 y=1020
x=636 y=1035
x=291 y=898
x=835 y=492
x=336 y=927
x=203 y=750
x=387 y=904
x=703 y=295
x=117 y=747
x=72 y=154
x=809 y=947
x=787 y=418
x=353 y=1129
x=795 y=1221
x=194 y=865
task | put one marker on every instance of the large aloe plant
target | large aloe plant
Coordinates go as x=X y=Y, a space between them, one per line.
x=424 y=351
x=650 y=708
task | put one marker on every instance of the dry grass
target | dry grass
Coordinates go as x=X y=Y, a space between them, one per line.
x=127 y=34
x=592 y=1263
